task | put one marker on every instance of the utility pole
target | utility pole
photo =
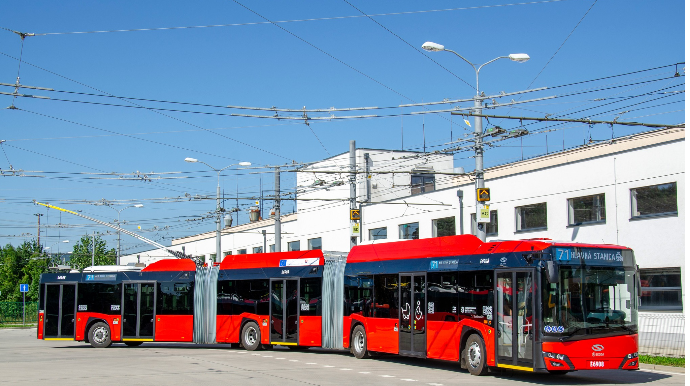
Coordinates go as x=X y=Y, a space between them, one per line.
x=277 y=210
x=218 y=225
x=93 y=249
x=353 y=191
x=38 y=229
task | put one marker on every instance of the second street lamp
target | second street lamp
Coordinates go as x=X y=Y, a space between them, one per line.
x=478 y=130
x=117 y=259
x=218 y=211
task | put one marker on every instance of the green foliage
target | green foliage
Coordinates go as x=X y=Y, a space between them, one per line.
x=21 y=265
x=12 y=312
x=662 y=361
x=82 y=251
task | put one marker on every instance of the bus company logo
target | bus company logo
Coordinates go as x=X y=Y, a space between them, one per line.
x=504 y=259
x=484 y=261
x=433 y=264
x=598 y=347
x=554 y=329
x=61 y=277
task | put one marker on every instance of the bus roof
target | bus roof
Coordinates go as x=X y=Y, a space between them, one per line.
x=273 y=260
x=171 y=265
x=453 y=246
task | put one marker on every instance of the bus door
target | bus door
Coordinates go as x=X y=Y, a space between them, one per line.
x=284 y=311
x=412 y=333
x=138 y=311
x=514 y=316
x=60 y=311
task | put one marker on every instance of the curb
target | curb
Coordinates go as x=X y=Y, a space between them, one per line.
x=669 y=369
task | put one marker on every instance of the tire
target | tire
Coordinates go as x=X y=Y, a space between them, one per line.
x=251 y=336
x=358 y=343
x=475 y=355
x=133 y=343
x=99 y=335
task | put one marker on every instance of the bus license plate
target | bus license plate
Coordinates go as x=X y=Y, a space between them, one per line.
x=596 y=364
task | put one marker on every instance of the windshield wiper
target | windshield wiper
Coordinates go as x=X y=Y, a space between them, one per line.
x=563 y=338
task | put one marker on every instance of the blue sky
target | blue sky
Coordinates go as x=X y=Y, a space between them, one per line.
x=338 y=59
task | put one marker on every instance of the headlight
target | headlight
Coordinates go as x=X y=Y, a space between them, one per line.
x=560 y=357
x=631 y=356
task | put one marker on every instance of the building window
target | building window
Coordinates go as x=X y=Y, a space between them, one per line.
x=443 y=227
x=227 y=253
x=530 y=217
x=258 y=250
x=656 y=200
x=586 y=210
x=212 y=257
x=314 y=243
x=491 y=226
x=378 y=233
x=661 y=289
x=242 y=251
x=272 y=247
x=293 y=246
x=408 y=231
x=422 y=183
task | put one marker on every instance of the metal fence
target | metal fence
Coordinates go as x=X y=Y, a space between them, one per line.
x=662 y=334
x=11 y=312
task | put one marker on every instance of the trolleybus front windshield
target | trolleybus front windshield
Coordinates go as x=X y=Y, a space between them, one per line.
x=589 y=300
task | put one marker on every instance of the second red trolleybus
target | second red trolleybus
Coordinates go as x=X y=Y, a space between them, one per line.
x=532 y=305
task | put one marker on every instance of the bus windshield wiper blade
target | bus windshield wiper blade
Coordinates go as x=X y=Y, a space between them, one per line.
x=562 y=339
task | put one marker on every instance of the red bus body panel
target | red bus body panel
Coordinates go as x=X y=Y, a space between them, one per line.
x=40 y=326
x=171 y=265
x=595 y=354
x=82 y=321
x=310 y=331
x=382 y=335
x=174 y=328
x=443 y=340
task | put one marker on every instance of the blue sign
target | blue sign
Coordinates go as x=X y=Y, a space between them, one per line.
x=23 y=288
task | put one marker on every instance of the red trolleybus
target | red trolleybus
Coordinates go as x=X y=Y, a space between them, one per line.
x=532 y=305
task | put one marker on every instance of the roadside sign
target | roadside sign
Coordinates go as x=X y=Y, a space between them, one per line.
x=354 y=230
x=483 y=194
x=355 y=215
x=484 y=214
x=23 y=288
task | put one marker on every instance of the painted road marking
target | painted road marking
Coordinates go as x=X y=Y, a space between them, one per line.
x=311 y=363
x=364 y=372
x=408 y=380
x=328 y=366
x=346 y=369
x=294 y=360
x=387 y=376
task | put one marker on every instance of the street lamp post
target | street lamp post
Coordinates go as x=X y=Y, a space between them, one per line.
x=218 y=211
x=478 y=130
x=56 y=243
x=117 y=260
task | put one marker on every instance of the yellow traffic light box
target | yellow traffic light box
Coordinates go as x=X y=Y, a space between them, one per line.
x=483 y=194
x=355 y=215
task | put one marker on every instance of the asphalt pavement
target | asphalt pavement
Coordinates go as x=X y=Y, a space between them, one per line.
x=24 y=360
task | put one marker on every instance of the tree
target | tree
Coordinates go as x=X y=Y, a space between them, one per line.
x=21 y=265
x=81 y=254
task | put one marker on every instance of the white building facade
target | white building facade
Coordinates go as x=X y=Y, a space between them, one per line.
x=629 y=191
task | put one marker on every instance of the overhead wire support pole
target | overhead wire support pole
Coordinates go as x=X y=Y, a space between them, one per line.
x=276 y=216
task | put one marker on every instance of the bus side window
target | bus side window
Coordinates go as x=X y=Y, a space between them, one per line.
x=385 y=302
x=442 y=293
x=476 y=295
x=310 y=296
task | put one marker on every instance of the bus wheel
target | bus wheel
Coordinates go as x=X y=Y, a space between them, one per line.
x=475 y=355
x=99 y=335
x=251 y=336
x=358 y=343
x=133 y=343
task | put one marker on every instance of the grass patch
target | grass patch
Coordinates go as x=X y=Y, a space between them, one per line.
x=28 y=325
x=662 y=361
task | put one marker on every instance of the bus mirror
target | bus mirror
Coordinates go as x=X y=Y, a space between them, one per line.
x=551 y=272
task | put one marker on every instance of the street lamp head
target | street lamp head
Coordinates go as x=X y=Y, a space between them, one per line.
x=65 y=241
x=432 y=47
x=192 y=160
x=520 y=58
x=245 y=164
x=138 y=205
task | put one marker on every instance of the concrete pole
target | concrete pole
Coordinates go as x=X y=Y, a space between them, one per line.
x=38 y=230
x=353 y=187
x=117 y=261
x=461 y=228
x=479 y=160
x=218 y=225
x=263 y=232
x=93 y=249
x=277 y=210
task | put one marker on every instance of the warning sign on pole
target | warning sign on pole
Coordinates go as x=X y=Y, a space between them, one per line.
x=483 y=194
x=484 y=214
x=354 y=230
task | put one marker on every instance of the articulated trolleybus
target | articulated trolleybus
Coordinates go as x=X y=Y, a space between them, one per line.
x=532 y=305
